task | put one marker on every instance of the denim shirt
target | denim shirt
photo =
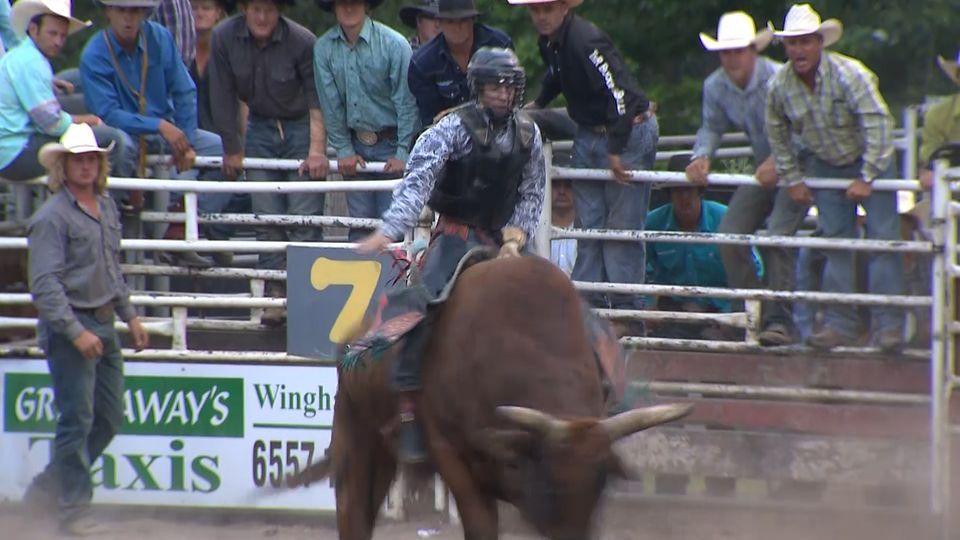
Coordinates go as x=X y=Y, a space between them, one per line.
x=75 y=261
x=436 y=81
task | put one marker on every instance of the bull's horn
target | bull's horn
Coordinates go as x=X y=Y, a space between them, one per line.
x=536 y=421
x=630 y=422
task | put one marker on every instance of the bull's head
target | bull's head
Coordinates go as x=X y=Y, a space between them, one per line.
x=555 y=470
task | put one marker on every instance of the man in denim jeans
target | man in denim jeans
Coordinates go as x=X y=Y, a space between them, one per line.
x=265 y=60
x=735 y=96
x=831 y=102
x=361 y=67
x=77 y=287
x=616 y=129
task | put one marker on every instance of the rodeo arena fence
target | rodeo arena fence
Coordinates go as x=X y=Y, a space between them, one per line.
x=798 y=420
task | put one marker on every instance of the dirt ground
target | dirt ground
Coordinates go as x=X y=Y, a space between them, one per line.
x=660 y=520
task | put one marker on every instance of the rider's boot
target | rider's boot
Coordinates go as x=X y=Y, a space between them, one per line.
x=410 y=447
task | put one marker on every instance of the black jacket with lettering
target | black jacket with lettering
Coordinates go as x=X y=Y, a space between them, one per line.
x=583 y=63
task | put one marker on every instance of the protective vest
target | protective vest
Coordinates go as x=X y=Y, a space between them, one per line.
x=482 y=188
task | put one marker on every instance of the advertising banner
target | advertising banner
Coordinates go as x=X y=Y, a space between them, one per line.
x=223 y=435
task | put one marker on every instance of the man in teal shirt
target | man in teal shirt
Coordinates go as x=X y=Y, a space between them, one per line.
x=30 y=115
x=360 y=67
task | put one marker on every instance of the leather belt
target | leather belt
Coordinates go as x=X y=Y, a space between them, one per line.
x=638 y=119
x=102 y=314
x=370 y=138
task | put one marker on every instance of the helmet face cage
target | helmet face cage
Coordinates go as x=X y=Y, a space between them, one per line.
x=496 y=66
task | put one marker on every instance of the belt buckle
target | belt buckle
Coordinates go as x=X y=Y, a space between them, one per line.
x=104 y=313
x=368 y=138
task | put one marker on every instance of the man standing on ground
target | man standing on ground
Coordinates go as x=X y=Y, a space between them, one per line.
x=735 y=97
x=438 y=70
x=77 y=287
x=360 y=67
x=616 y=129
x=265 y=60
x=832 y=103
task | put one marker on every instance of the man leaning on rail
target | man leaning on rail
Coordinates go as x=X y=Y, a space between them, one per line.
x=735 y=97
x=78 y=289
x=135 y=80
x=617 y=129
x=832 y=102
x=264 y=59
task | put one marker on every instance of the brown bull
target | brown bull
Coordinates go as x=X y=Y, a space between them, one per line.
x=511 y=410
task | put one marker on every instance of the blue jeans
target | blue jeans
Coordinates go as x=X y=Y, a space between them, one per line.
x=837 y=219
x=370 y=204
x=26 y=165
x=266 y=139
x=89 y=398
x=610 y=205
x=205 y=144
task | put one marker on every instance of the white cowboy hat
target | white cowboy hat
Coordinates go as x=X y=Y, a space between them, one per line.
x=802 y=20
x=736 y=30
x=569 y=3
x=77 y=139
x=951 y=69
x=25 y=10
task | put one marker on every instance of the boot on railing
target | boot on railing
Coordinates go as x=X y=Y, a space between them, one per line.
x=177 y=231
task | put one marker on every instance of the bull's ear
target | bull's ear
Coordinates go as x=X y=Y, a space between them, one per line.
x=504 y=445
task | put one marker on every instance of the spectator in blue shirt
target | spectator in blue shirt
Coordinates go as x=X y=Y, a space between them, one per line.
x=30 y=115
x=360 y=67
x=735 y=97
x=134 y=78
x=7 y=38
x=685 y=263
x=438 y=70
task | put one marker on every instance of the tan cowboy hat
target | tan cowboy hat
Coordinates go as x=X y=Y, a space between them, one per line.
x=802 y=20
x=25 y=10
x=569 y=3
x=77 y=139
x=952 y=69
x=736 y=30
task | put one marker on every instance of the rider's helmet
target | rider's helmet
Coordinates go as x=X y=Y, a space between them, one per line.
x=499 y=66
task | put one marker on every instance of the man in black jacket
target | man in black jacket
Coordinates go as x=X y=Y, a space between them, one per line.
x=616 y=129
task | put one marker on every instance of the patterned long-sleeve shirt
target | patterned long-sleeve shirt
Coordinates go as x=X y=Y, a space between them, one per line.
x=726 y=106
x=843 y=119
x=363 y=87
x=450 y=140
x=177 y=17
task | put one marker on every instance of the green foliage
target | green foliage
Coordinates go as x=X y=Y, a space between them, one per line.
x=898 y=40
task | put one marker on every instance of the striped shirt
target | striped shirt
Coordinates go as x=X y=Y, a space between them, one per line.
x=726 y=107
x=843 y=119
x=177 y=17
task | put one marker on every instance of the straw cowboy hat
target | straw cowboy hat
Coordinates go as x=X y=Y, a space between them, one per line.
x=409 y=14
x=25 y=10
x=737 y=30
x=802 y=20
x=150 y=4
x=569 y=3
x=952 y=69
x=77 y=139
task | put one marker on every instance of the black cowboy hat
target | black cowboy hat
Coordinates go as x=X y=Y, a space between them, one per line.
x=328 y=4
x=409 y=14
x=230 y=5
x=456 y=9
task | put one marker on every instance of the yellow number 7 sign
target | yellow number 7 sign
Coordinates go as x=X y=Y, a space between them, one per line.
x=329 y=291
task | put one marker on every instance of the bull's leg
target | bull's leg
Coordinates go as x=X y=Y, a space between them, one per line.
x=478 y=510
x=353 y=459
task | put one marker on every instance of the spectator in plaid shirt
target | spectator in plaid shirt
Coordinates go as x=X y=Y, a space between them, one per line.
x=177 y=17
